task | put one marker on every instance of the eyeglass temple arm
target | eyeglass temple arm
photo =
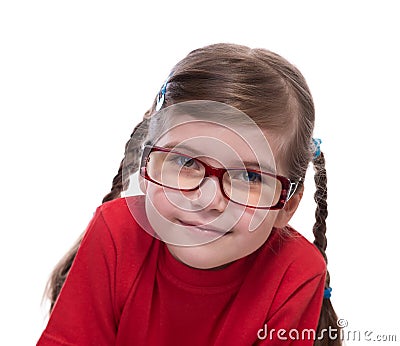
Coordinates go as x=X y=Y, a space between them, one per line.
x=293 y=188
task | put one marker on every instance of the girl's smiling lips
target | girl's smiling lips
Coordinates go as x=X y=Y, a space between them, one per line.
x=202 y=227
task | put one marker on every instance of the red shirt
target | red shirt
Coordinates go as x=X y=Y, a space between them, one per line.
x=125 y=288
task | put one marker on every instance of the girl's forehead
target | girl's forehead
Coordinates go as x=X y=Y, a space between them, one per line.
x=235 y=135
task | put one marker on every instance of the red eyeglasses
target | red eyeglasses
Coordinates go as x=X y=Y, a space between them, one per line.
x=247 y=187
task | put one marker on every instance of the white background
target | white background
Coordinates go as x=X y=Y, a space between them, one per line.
x=76 y=76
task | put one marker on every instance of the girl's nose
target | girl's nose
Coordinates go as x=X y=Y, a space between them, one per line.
x=209 y=196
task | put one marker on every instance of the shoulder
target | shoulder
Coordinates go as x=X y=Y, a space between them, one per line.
x=123 y=220
x=287 y=273
x=125 y=216
x=295 y=253
x=117 y=211
x=133 y=246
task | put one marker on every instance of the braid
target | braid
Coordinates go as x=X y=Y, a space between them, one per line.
x=129 y=164
x=320 y=198
x=328 y=317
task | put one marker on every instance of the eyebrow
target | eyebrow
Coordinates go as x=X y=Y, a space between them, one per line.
x=264 y=167
x=191 y=151
x=179 y=146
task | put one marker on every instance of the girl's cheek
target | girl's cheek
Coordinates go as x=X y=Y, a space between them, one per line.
x=254 y=220
x=143 y=184
x=156 y=197
x=167 y=200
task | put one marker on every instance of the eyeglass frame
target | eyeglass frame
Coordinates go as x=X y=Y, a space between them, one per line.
x=288 y=187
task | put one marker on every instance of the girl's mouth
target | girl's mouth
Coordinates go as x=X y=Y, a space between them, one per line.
x=203 y=227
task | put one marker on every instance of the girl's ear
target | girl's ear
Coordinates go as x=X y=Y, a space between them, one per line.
x=286 y=213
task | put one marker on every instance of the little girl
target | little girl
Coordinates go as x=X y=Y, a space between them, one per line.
x=205 y=256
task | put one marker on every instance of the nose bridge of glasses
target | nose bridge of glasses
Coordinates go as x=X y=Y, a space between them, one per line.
x=211 y=171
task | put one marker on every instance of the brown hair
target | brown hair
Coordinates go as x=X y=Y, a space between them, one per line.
x=269 y=90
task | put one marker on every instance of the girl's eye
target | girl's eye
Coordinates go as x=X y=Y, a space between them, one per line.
x=248 y=176
x=186 y=162
x=252 y=176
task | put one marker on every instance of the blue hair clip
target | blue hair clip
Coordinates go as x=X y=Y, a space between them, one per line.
x=327 y=292
x=161 y=94
x=317 y=147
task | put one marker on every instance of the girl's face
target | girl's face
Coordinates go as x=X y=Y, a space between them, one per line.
x=202 y=228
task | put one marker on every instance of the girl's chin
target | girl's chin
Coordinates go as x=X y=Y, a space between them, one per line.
x=196 y=258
